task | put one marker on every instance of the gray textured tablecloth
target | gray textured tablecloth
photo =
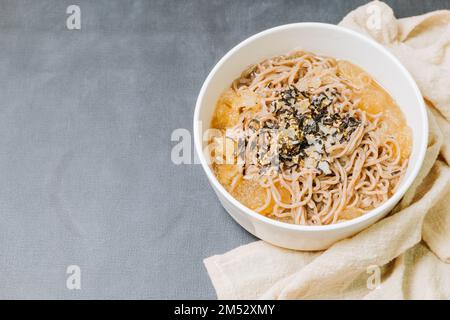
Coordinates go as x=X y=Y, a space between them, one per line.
x=85 y=126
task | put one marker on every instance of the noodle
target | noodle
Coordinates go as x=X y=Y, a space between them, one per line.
x=314 y=154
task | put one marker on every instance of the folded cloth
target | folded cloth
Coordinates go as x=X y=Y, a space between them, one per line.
x=407 y=254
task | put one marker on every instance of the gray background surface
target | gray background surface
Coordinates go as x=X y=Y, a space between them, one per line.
x=85 y=124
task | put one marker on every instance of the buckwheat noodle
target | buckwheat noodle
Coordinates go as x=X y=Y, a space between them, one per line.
x=339 y=162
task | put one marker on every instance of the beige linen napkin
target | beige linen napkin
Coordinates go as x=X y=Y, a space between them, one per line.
x=409 y=251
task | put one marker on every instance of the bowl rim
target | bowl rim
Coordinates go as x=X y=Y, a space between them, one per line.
x=378 y=211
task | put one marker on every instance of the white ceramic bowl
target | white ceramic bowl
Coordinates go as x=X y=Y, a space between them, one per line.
x=329 y=40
